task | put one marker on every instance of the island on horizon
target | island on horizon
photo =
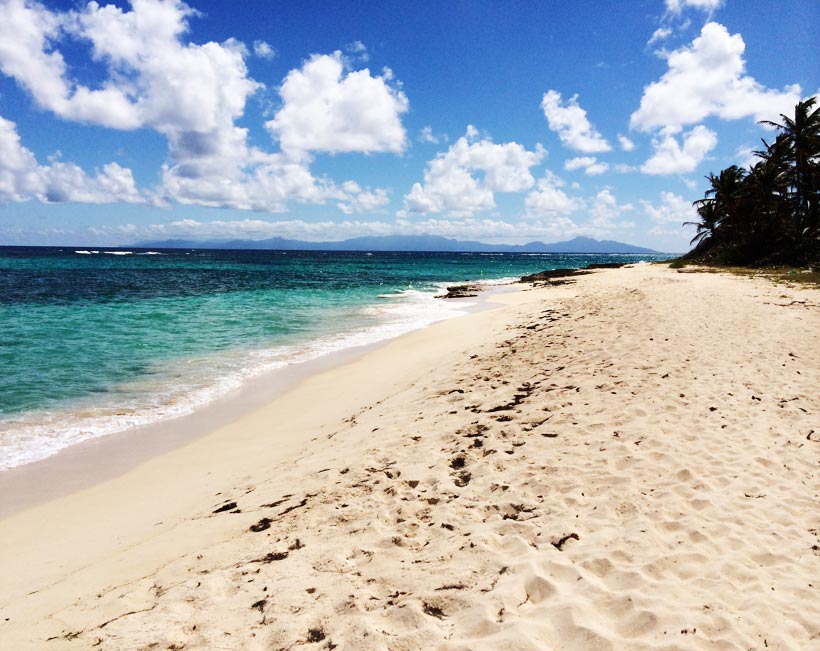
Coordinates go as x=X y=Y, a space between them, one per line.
x=404 y=243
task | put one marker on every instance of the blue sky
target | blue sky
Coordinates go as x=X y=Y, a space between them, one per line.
x=496 y=121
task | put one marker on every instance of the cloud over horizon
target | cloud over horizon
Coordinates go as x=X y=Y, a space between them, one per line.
x=452 y=187
x=239 y=116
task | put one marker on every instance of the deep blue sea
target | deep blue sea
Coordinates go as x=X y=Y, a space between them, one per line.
x=94 y=341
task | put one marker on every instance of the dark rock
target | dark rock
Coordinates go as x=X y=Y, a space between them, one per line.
x=606 y=265
x=461 y=291
x=552 y=274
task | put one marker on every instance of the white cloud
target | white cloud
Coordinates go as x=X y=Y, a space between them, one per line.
x=596 y=168
x=327 y=109
x=450 y=182
x=20 y=178
x=362 y=201
x=625 y=143
x=670 y=157
x=27 y=34
x=265 y=182
x=708 y=78
x=264 y=50
x=606 y=210
x=193 y=95
x=570 y=122
x=672 y=209
x=659 y=34
x=153 y=80
x=426 y=135
x=746 y=157
x=547 y=199
x=668 y=216
x=590 y=165
x=358 y=51
x=23 y=179
x=578 y=163
x=677 y=6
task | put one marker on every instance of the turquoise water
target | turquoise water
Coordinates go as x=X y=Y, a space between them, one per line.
x=96 y=341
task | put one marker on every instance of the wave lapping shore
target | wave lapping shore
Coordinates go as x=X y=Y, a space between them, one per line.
x=627 y=461
x=97 y=341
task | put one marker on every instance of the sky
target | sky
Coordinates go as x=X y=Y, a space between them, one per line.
x=504 y=122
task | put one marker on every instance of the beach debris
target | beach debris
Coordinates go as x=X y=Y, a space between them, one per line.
x=296 y=506
x=559 y=544
x=270 y=557
x=228 y=506
x=263 y=524
x=463 y=479
x=273 y=505
x=433 y=611
x=315 y=635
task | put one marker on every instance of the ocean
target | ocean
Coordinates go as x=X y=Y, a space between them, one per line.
x=101 y=340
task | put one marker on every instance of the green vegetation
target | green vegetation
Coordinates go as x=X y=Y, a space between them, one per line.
x=787 y=276
x=768 y=214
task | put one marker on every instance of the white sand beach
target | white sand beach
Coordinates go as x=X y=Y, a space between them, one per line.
x=630 y=461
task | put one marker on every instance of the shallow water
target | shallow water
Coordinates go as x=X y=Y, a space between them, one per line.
x=100 y=340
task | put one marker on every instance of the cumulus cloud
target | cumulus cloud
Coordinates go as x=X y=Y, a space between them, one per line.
x=708 y=78
x=20 y=179
x=264 y=50
x=606 y=210
x=677 y=6
x=28 y=32
x=578 y=163
x=589 y=164
x=672 y=157
x=362 y=201
x=326 y=109
x=570 y=122
x=193 y=94
x=451 y=180
x=23 y=179
x=548 y=199
x=625 y=143
x=672 y=209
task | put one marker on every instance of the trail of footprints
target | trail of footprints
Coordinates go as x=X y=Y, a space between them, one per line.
x=541 y=502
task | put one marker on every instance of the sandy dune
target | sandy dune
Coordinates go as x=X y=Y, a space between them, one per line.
x=630 y=462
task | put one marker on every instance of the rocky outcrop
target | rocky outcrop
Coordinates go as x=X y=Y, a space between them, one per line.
x=552 y=275
x=461 y=291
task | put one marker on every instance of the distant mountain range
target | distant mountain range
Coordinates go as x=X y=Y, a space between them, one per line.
x=422 y=243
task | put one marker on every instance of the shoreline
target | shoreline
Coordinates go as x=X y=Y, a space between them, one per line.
x=100 y=458
x=612 y=463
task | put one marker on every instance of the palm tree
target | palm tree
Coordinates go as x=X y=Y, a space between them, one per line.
x=803 y=137
x=707 y=226
x=722 y=195
x=770 y=212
